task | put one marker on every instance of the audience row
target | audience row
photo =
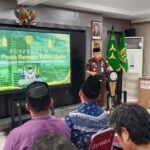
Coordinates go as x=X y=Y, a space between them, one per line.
x=131 y=122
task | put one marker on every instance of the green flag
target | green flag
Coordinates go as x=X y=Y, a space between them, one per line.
x=112 y=52
x=122 y=53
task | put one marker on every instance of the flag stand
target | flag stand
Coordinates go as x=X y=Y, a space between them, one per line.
x=119 y=90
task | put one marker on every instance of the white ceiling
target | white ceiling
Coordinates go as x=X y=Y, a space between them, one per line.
x=135 y=10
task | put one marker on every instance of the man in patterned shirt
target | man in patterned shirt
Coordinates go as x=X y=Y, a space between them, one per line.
x=89 y=117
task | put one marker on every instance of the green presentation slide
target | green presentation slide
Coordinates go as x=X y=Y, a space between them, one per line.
x=27 y=56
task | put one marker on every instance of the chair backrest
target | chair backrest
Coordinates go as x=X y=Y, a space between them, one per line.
x=116 y=144
x=102 y=140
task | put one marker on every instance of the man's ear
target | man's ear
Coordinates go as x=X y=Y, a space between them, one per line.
x=125 y=134
x=80 y=93
x=28 y=107
x=51 y=103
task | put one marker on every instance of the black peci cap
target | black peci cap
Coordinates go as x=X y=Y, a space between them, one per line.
x=36 y=90
x=96 y=49
x=91 y=87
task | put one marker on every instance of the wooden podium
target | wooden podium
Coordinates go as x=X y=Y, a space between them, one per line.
x=144 y=91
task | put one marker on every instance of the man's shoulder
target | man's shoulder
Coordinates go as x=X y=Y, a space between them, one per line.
x=91 y=60
x=20 y=128
x=18 y=133
x=59 y=123
x=103 y=59
x=55 y=118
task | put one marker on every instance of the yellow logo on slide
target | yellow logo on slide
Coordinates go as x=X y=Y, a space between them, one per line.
x=29 y=39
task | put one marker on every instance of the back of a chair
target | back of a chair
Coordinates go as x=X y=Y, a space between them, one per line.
x=116 y=144
x=102 y=140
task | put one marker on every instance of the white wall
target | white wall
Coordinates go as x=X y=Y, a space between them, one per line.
x=7 y=9
x=143 y=29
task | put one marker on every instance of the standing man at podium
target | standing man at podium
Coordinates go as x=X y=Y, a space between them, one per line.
x=98 y=66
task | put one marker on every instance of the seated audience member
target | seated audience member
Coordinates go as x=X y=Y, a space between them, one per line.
x=53 y=141
x=89 y=117
x=132 y=124
x=37 y=103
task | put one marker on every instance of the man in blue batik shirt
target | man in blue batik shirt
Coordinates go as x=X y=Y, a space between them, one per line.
x=89 y=117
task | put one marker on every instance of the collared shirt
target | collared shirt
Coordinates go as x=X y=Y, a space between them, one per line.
x=87 y=119
x=99 y=67
x=22 y=137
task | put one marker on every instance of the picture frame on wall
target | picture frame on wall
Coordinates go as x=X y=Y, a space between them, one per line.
x=96 y=30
